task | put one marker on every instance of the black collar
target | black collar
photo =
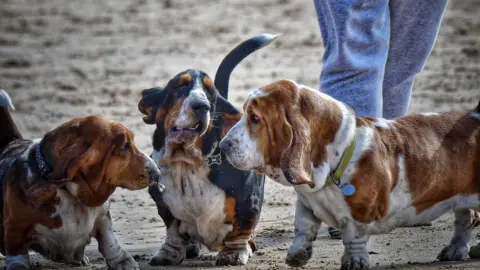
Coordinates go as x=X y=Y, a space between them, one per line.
x=43 y=167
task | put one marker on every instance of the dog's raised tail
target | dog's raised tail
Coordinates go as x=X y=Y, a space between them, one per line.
x=222 y=77
x=477 y=109
x=8 y=129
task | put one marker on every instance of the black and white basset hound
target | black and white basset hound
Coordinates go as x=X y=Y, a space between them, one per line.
x=206 y=201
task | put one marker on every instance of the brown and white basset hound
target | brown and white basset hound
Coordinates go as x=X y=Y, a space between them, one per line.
x=54 y=191
x=392 y=172
x=207 y=201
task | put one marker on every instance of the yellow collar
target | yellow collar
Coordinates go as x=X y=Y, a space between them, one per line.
x=334 y=177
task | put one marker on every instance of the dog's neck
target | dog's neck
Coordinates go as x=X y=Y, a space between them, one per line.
x=332 y=126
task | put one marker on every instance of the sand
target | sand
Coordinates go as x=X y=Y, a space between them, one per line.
x=64 y=59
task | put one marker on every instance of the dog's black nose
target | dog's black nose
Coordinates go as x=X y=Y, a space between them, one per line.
x=225 y=145
x=200 y=107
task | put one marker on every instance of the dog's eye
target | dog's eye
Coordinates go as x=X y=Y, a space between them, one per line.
x=126 y=147
x=254 y=118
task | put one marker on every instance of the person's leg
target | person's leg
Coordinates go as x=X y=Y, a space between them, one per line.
x=414 y=27
x=356 y=36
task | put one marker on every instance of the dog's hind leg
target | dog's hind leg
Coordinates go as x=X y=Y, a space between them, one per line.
x=457 y=250
x=173 y=250
x=474 y=252
x=306 y=228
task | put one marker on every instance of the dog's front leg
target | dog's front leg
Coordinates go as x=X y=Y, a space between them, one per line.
x=16 y=248
x=116 y=257
x=173 y=250
x=239 y=247
x=16 y=242
x=306 y=228
x=355 y=256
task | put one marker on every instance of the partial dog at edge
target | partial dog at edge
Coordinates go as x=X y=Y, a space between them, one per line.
x=54 y=191
x=404 y=171
x=207 y=201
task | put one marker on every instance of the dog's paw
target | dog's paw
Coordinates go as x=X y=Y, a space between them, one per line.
x=83 y=262
x=298 y=256
x=18 y=262
x=355 y=262
x=193 y=250
x=164 y=257
x=453 y=253
x=127 y=263
x=16 y=266
x=234 y=256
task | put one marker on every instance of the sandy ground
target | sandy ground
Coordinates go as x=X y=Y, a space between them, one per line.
x=63 y=59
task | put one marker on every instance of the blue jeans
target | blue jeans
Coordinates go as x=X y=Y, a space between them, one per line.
x=374 y=48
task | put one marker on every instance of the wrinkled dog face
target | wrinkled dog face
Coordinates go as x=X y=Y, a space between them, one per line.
x=272 y=134
x=182 y=112
x=242 y=144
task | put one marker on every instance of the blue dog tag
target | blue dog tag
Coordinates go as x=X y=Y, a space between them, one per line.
x=348 y=189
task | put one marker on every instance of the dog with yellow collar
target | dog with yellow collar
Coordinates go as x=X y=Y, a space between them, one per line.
x=363 y=175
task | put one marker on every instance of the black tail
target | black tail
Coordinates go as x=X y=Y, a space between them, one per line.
x=8 y=129
x=477 y=109
x=222 y=77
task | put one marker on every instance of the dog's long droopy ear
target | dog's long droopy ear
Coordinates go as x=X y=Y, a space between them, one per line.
x=77 y=155
x=152 y=100
x=230 y=114
x=295 y=160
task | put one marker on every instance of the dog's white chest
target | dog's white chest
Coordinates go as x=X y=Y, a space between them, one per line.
x=68 y=242
x=198 y=203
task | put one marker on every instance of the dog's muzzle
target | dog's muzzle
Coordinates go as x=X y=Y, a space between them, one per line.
x=154 y=176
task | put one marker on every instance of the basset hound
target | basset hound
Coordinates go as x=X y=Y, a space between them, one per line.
x=54 y=191
x=206 y=201
x=362 y=175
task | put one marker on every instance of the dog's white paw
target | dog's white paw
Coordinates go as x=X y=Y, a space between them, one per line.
x=355 y=262
x=16 y=267
x=127 y=263
x=234 y=256
x=453 y=253
x=83 y=262
x=166 y=257
x=298 y=256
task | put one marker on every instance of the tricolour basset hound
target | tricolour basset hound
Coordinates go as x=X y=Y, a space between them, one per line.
x=54 y=191
x=362 y=175
x=207 y=201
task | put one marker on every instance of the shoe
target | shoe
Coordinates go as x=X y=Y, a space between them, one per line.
x=334 y=233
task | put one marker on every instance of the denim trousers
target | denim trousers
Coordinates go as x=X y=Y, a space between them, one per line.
x=374 y=49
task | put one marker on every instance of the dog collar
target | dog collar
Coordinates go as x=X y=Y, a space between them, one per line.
x=43 y=167
x=215 y=157
x=334 y=177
